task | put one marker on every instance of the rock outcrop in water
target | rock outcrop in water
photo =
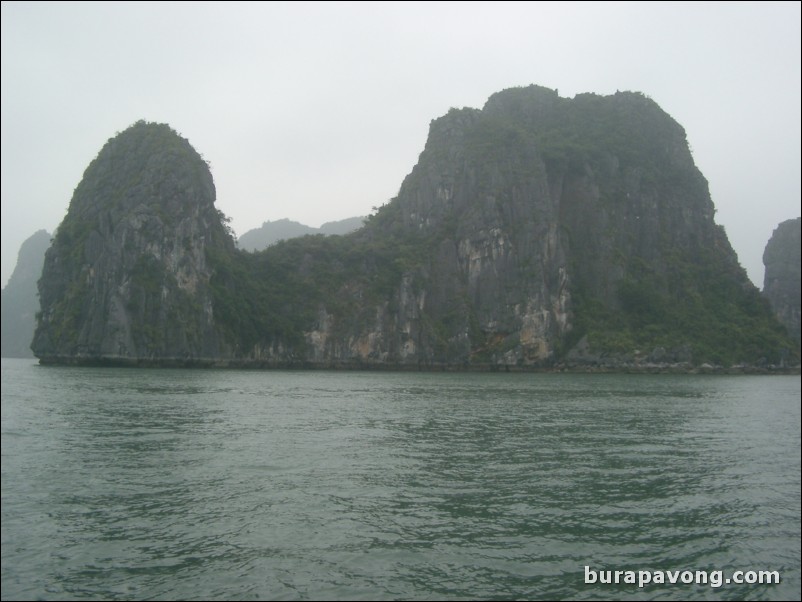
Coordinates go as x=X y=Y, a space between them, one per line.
x=537 y=232
x=782 y=282
x=127 y=275
x=20 y=298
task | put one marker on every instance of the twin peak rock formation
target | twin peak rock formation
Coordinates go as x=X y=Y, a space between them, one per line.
x=537 y=232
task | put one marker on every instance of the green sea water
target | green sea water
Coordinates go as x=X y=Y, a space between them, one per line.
x=241 y=485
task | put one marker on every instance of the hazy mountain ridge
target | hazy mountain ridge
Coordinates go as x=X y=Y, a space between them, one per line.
x=271 y=232
x=538 y=231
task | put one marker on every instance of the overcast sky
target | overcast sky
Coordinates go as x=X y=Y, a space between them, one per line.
x=316 y=112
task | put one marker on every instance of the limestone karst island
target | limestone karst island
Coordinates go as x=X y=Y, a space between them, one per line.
x=538 y=232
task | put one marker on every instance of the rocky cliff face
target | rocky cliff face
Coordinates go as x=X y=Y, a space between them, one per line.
x=782 y=281
x=21 y=299
x=538 y=231
x=127 y=274
x=555 y=231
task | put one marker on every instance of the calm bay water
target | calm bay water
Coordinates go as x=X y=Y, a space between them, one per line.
x=168 y=484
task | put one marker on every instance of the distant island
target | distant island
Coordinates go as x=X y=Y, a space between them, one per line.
x=20 y=299
x=782 y=282
x=538 y=232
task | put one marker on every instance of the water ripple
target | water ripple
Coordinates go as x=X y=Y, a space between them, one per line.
x=127 y=484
